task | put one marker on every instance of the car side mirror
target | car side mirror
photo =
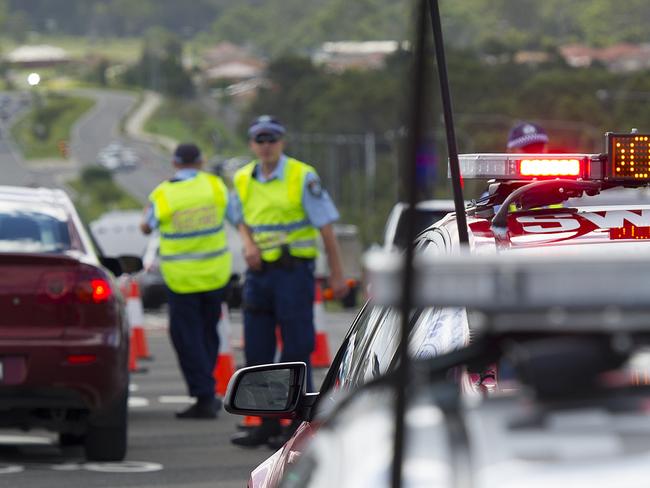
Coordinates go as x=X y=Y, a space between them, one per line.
x=270 y=390
x=122 y=265
x=130 y=264
x=112 y=264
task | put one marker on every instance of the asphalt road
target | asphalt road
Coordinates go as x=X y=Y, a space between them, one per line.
x=163 y=451
x=94 y=131
x=100 y=127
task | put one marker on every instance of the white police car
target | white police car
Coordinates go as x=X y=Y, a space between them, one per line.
x=579 y=419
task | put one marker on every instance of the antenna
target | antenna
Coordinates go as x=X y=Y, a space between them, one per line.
x=415 y=131
x=452 y=148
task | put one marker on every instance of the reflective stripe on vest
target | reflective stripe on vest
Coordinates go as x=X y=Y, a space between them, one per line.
x=194 y=255
x=274 y=213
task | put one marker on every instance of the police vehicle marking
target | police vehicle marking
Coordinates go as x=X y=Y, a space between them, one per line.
x=584 y=222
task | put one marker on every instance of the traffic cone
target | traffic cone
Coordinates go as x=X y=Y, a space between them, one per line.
x=320 y=358
x=135 y=313
x=133 y=363
x=249 y=422
x=225 y=367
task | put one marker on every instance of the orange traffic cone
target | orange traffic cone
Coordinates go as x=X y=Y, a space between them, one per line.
x=225 y=367
x=249 y=422
x=133 y=364
x=135 y=314
x=320 y=358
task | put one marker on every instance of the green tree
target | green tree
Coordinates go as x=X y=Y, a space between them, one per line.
x=161 y=65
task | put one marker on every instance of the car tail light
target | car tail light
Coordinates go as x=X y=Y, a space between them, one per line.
x=81 y=358
x=58 y=284
x=96 y=290
x=79 y=286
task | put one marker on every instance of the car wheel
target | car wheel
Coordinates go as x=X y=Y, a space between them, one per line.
x=66 y=440
x=106 y=436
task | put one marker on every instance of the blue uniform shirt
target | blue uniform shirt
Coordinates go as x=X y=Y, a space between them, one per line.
x=182 y=175
x=316 y=201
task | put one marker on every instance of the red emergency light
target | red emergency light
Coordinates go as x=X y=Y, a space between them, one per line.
x=550 y=167
x=524 y=166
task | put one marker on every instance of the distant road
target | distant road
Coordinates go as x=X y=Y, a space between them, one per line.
x=101 y=126
x=94 y=130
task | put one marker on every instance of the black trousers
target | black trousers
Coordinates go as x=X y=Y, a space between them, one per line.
x=193 y=322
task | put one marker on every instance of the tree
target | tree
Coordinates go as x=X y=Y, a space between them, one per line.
x=161 y=65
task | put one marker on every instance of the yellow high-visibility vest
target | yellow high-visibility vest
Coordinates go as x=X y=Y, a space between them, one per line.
x=194 y=254
x=273 y=210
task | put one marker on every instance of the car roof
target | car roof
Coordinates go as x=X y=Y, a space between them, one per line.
x=49 y=198
x=35 y=195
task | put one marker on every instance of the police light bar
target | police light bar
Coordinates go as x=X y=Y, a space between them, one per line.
x=571 y=290
x=524 y=166
x=629 y=157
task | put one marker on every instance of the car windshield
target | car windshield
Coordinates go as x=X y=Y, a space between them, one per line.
x=423 y=219
x=33 y=230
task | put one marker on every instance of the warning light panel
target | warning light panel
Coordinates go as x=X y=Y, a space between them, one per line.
x=629 y=157
x=629 y=232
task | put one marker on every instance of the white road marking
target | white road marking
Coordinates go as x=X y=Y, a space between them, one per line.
x=125 y=467
x=175 y=399
x=133 y=387
x=138 y=402
x=11 y=469
x=25 y=439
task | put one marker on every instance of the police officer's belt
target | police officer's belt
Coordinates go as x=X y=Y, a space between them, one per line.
x=285 y=262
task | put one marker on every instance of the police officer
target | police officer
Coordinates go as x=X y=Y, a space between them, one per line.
x=527 y=137
x=284 y=209
x=189 y=212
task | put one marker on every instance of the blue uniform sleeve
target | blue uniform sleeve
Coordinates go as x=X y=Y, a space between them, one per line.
x=150 y=217
x=317 y=203
x=234 y=212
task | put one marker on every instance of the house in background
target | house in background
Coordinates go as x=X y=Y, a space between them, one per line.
x=341 y=56
x=621 y=57
x=38 y=56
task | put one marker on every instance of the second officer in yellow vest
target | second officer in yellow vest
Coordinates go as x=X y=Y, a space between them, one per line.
x=284 y=211
x=188 y=211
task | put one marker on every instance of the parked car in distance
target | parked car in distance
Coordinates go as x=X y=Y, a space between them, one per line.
x=116 y=157
x=64 y=339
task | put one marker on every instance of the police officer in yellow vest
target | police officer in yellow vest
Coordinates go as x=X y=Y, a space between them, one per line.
x=284 y=210
x=188 y=211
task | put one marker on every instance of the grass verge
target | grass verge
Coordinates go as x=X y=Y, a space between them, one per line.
x=187 y=122
x=49 y=122
x=96 y=193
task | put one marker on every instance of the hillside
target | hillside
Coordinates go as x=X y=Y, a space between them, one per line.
x=275 y=26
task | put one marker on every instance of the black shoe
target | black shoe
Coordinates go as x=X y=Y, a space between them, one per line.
x=257 y=436
x=201 y=410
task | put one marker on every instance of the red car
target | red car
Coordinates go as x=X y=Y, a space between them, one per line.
x=63 y=328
